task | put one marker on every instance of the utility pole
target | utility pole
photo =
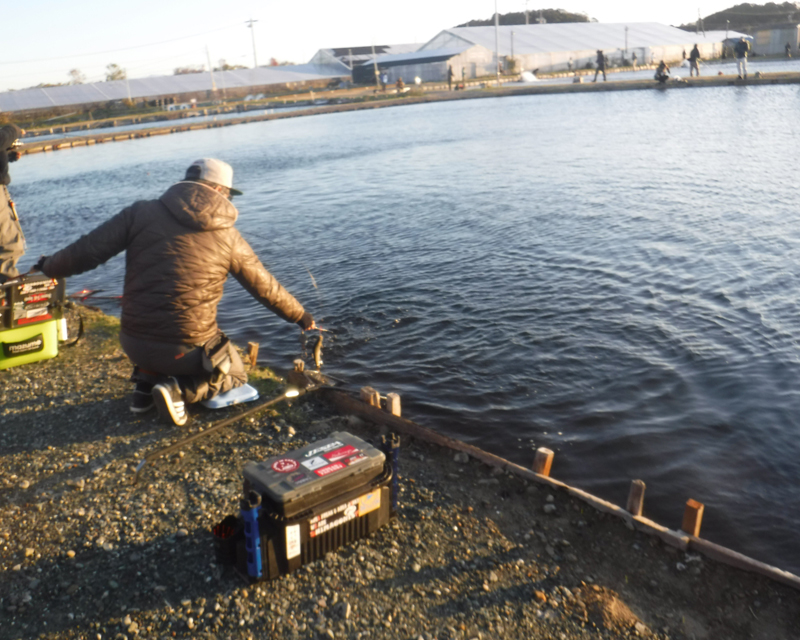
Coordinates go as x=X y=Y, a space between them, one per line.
x=626 y=42
x=526 y=12
x=512 y=44
x=497 y=42
x=211 y=70
x=250 y=24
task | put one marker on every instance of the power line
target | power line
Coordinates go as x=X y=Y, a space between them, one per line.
x=100 y=53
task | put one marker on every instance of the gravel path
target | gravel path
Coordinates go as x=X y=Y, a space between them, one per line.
x=474 y=553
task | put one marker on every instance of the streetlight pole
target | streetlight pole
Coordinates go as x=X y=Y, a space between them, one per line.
x=250 y=24
x=497 y=42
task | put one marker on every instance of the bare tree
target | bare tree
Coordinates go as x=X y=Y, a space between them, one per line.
x=76 y=77
x=115 y=72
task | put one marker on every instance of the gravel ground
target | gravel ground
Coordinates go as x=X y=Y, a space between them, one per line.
x=474 y=553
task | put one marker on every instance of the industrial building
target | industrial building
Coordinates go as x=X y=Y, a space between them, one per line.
x=772 y=40
x=201 y=87
x=359 y=59
x=546 y=47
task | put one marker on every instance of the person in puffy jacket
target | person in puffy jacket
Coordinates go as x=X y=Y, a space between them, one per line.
x=179 y=252
x=12 y=240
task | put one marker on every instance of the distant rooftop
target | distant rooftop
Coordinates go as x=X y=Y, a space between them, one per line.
x=157 y=86
x=572 y=36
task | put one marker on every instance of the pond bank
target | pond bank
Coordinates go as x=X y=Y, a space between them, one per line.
x=508 y=89
x=475 y=553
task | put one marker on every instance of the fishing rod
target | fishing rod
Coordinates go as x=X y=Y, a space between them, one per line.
x=290 y=393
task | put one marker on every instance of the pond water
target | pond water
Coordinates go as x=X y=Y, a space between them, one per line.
x=611 y=275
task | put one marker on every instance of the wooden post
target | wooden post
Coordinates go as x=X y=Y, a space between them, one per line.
x=636 y=498
x=543 y=461
x=393 y=403
x=252 y=353
x=692 y=517
x=370 y=396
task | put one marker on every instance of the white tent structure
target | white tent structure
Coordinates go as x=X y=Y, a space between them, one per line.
x=551 y=47
x=201 y=86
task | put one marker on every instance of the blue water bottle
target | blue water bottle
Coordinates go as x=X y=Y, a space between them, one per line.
x=250 y=507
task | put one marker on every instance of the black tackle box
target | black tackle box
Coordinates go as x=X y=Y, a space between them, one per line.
x=301 y=505
x=30 y=299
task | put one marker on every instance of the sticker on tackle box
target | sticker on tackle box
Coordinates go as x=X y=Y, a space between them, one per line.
x=285 y=465
x=340 y=453
x=292 y=541
x=345 y=512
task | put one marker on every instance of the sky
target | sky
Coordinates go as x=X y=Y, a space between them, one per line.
x=44 y=39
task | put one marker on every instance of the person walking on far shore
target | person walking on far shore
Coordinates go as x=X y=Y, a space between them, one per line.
x=601 y=65
x=740 y=50
x=694 y=62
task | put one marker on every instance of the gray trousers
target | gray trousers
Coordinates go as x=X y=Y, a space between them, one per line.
x=12 y=240
x=155 y=360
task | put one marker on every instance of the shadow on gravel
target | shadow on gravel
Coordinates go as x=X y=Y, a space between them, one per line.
x=102 y=585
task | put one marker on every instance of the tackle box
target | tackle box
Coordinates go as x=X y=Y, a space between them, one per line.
x=301 y=505
x=30 y=319
x=28 y=344
x=30 y=299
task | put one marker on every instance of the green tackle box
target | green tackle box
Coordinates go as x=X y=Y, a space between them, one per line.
x=28 y=344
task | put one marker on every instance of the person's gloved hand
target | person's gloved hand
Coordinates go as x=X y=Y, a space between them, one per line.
x=39 y=266
x=306 y=323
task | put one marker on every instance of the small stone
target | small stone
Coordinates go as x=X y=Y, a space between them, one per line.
x=493 y=577
x=461 y=457
x=24 y=484
x=549 y=508
x=190 y=623
x=416 y=568
x=540 y=596
x=113 y=584
x=182 y=533
x=70 y=554
x=640 y=627
x=29 y=552
x=680 y=566
x=126 y=621
x=133 y=628
x=550 y=498
x=291 y=431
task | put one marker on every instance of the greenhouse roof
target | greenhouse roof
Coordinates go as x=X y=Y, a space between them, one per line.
x=575 y=36
x=153 y=87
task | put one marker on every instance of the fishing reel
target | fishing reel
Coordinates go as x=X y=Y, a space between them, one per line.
x=13 y=152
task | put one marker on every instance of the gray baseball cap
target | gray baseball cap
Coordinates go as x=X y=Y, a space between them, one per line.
x=213 y=170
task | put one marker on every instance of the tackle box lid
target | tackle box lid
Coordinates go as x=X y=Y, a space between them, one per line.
x=300 y=479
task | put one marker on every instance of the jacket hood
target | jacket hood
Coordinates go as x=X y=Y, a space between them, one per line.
x=199 y=207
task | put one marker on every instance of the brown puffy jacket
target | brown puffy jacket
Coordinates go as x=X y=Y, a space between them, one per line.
x=180 y=250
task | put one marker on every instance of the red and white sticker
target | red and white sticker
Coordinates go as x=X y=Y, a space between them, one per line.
x=343 y=452
x=331 y=468
x=285 y=465
x=355 y=459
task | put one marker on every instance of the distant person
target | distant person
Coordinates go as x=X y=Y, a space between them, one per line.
x=400 y=85
x=601 y=65
x=450 y=75
x=740 y=50
x=694 y=62
x=634 y=60
x=384 y=81
x=684 y=54
x=569 y=64
x=788 y=50
x=662 y=72
x=12 y=240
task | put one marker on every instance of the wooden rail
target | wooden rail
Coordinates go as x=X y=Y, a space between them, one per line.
x=684 y=540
